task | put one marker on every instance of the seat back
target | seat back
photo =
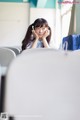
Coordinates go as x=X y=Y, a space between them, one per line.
x=73 y=42
x=43 y=85
x=6 y=56
x=0 y=89
x=15 y=49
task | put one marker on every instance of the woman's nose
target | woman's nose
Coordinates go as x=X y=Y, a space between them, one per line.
x=40 y=30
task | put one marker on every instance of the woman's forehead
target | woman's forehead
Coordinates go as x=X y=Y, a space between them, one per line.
x=43 y=25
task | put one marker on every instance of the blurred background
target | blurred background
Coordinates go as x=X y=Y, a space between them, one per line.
x=16 y=15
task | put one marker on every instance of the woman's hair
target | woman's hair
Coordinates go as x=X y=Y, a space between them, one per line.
x=29 y=37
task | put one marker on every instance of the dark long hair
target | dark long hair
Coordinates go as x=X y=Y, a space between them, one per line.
x=28 y=37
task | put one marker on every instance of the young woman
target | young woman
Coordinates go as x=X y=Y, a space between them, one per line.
x=38 y=35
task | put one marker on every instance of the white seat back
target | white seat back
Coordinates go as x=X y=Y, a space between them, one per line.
x=6 y=56
x=15 y=49
x=44 y=86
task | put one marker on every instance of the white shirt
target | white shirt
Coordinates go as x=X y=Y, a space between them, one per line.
x=39 y=44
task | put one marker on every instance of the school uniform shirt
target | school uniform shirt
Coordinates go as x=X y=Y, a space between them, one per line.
x=39 y=44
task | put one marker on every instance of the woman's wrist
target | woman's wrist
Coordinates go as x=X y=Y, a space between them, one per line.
x=35 y=43
x=46 y=45
x=43 y=39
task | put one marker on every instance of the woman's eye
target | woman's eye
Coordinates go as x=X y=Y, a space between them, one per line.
x=43 y=28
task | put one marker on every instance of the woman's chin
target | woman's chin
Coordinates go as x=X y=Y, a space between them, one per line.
x=40 y=37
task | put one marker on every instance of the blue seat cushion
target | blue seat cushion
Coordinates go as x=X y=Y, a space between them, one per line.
x=73 y=42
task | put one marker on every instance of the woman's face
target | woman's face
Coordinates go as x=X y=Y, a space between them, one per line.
x=41 y=31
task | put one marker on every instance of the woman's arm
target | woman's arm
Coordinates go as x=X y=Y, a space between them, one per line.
x=36 y=39
x=45 y=43
x=34 y=43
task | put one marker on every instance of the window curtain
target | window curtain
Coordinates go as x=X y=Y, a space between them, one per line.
x=57 y=30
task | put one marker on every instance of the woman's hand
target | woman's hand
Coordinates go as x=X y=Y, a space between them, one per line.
x=46 y=34
x=35 y=34
x=36 y=39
